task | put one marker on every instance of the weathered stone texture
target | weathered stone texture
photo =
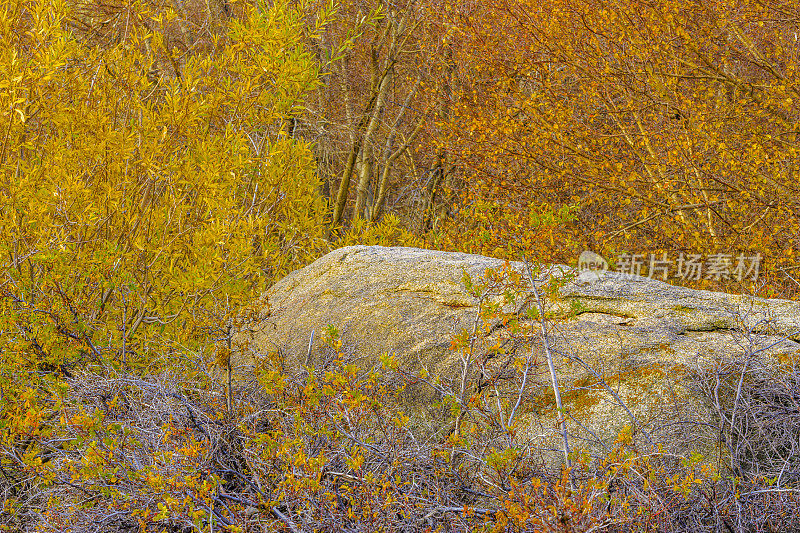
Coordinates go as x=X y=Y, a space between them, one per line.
x=641 y=334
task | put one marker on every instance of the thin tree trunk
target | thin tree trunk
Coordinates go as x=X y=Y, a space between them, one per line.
x=396 y=31
x=344 y=186
x=430 y=192
x=389 y=156
x=562 y=424
x=365 y=169
x=381 y=200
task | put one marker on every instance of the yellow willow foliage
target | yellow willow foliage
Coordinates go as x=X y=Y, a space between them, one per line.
x=670 y=125
x=147 y=191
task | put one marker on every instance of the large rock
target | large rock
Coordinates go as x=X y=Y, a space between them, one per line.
x=644 y=338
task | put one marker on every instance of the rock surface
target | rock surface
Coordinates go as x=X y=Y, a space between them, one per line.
x=640 y=335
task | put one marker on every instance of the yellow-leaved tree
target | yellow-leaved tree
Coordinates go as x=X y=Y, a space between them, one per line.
x=149 y=185
x=133 y=205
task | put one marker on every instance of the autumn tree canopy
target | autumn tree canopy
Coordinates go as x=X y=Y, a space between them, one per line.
x=663 y=125
x=147 y=185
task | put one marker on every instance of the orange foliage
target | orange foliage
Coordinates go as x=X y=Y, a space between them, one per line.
x=667 y=126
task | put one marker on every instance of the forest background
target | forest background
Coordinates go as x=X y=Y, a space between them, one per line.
x=164 y=161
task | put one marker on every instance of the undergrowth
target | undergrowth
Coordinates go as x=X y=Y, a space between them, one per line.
x=327 y=448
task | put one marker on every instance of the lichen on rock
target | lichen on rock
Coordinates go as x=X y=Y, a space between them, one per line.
x=642 y=336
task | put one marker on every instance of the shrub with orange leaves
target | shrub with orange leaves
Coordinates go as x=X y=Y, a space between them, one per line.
x=662 y=126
